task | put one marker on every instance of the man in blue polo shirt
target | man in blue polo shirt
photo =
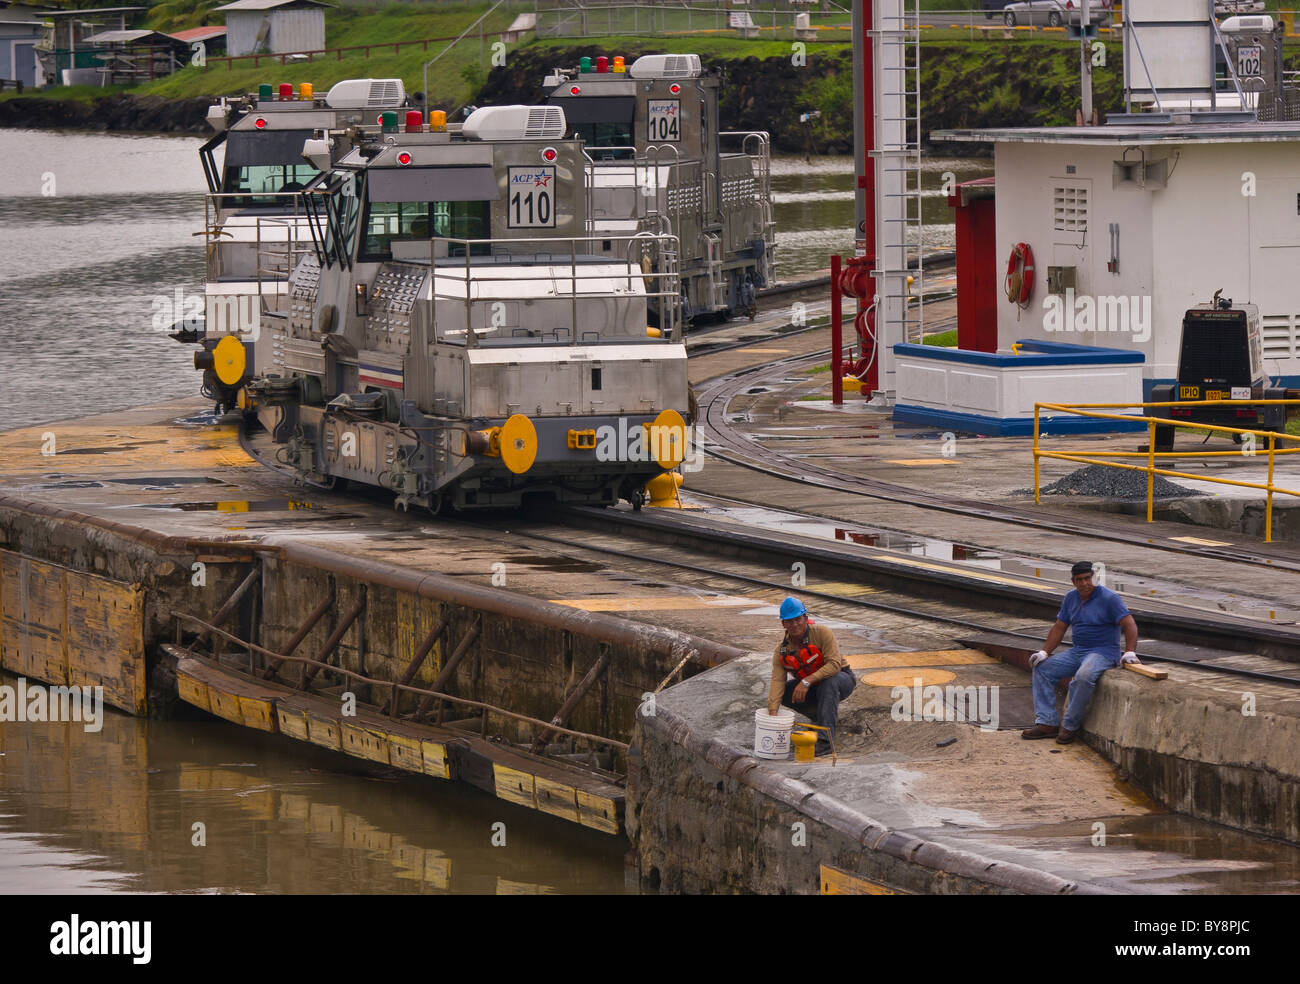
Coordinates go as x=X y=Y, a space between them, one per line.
x=1098 y=616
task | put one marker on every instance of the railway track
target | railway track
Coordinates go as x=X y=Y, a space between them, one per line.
x=729 y=442
x=683 y=558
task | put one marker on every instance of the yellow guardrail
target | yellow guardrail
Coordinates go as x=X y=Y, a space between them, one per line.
x=1151 y=454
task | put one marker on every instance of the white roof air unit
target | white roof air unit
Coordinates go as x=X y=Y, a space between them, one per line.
x=366 y=94
x=515 y=123
x=1234 y=25
x=666 y=67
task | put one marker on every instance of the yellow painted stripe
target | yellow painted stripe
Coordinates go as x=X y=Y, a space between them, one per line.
x=836 y=882
x=597 y=812
x=436 y=762
x=292 y=722
x=258 y=712
x=913 y=462
x=981 y=575
x=1196 y=540
x=225 y=705
x=124 y=449
x=365 y=743
x=557 y=799
x=842 y=588
x=405 y=753
x=514 y=786
x=670 y=603
x=193 y=691
x=324 y=731
x=907 y=678
x=941 y=657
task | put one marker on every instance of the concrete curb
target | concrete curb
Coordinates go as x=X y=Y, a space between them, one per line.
x=845 y=820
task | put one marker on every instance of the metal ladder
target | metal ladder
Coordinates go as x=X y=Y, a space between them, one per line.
x=898 y=254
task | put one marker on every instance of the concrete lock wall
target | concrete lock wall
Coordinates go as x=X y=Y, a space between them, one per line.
x=704 y=817
x=1199 y=754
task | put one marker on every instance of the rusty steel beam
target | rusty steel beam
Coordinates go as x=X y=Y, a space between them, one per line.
x=317 y=614
x=597 y=670
x=332 y=642
x=449 y=668
x=390 y=708
x=225 y=610
x=668 y=644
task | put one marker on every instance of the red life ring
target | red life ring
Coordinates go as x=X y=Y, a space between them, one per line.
x=1020 y=275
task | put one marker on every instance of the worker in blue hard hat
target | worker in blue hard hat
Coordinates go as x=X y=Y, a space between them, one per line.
x=820 y=678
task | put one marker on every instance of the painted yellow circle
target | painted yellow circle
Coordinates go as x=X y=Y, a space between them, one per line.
x=907 y=678
x=518 y=444
x=228 y=360
x=668 y=439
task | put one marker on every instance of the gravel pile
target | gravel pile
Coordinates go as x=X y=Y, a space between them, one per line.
x=1114 y=483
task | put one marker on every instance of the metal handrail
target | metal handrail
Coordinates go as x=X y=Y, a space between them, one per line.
x=1151 y=454
x=484 y=274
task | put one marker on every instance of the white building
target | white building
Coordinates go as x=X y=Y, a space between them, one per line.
x=1166 y=211
x=274 y=26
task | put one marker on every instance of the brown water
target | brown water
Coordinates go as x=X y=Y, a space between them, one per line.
x=114 y=811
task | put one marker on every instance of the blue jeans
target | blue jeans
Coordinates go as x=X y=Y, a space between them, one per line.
x=1086 y=667
x=822 y=702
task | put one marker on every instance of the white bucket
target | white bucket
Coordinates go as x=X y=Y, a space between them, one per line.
x=772 y=733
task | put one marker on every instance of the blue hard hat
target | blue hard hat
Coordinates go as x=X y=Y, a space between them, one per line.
x=792 y=608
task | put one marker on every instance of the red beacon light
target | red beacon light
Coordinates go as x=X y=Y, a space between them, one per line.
x=414 y=121
x=403 y=158
x=674 y=88
x=549 y=155
x=286 y=91
x=260 y=123
x=602 y=64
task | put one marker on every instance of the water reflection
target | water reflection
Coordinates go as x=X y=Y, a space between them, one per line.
x=116 y=811
x=813 y=207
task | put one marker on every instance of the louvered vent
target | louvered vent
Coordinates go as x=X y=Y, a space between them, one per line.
x=384 y=92
x=544 y=123
x=1278 y=333
x=1070 y=209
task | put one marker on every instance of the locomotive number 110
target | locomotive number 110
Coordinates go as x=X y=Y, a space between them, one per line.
x=531 y=201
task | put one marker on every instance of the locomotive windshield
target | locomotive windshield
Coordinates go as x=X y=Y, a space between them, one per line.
x=419 y=204
x=261 y=164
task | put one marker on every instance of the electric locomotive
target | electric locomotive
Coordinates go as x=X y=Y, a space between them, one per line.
x=660 y=165
x=254 y=224
x=462 y=334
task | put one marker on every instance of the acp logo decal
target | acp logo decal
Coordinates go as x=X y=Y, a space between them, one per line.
x=530 y=198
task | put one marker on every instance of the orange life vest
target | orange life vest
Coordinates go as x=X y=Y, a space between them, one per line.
x=806 y=661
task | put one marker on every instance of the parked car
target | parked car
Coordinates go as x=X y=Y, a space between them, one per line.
x=1238 y=6
x=1051 y=13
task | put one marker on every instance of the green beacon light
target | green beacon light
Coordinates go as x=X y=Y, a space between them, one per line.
x=264 y=91
x=584 y=63
x=389 y=121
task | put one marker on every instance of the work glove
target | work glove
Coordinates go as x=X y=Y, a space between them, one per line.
x=1037 y=658
x=1130 y=657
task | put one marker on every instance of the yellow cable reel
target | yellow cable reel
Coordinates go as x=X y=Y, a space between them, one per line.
x=228 y=359
x=518 y=441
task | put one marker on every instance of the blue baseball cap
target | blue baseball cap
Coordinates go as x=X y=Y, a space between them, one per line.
x=792 y=608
